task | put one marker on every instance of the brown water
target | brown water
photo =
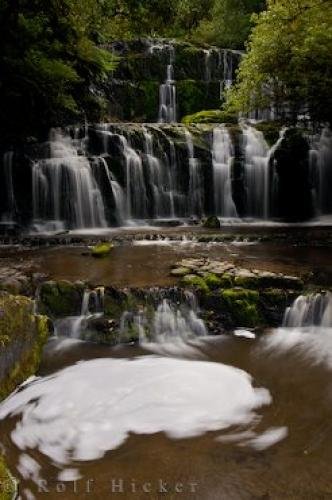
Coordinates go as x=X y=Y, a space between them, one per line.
x=297 y=467
x=150 y=265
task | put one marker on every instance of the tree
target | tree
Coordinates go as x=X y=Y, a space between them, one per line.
x=288 y=64
x=49 y=60
x=229 y=23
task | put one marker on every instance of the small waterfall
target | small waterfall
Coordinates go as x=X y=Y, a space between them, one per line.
x=168 y=323
x=117 y=192
x=222 y=160
x=160 y=178
x=256 y=152
x=321 y=168
x=167 y=90
x=310 y=311
x=75 y=326
x=207 y=58
x=228 y=68
x=195 y=179
x=65 y=192
x=9 y=215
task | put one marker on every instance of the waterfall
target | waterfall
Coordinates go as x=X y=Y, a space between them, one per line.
x=309 y=311
x=167 y=90
x=117 y=192
x=195 y=179
x=321 y=168
x=256 y=152
x=9 y=215
x=168 y=323
x=65 y=192
x=160 y=178
x=75 y=326
x=207 y=58
x=222 y=160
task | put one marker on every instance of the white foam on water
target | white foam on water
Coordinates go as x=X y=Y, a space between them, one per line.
x=268 y=438
x=313 y=343
x=82 y=411
x=247 y=334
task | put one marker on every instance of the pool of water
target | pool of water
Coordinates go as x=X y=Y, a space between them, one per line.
x=241 y=418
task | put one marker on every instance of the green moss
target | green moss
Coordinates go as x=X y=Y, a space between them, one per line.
x=210 y=116
x=101 y=249
x=212 y=281
x=196 y=282
x=226 y=281
x=18 y=324
x=7 y=482
x=242 y=306
x=247 y=281
x=61 y=298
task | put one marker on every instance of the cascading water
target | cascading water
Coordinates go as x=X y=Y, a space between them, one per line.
x=222 y=160
x=117 y=192
x=65 y=192
x=160 y=178
x=196 y=193
x=257 y=179
x=168 y=323
x=9 y=215
x=321 y=169
x=310 y=311
x=75 y=326
x=207 y=57
x=167 y=90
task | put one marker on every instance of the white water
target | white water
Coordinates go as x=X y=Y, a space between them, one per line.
x=310 y=310
x=167 y=90
x=196 y=189
x=257 y=179
x=85 y=410
x=321 y=168
x=306 y=330
x=160 y=178
x=222 y=161
x=74 y=327
x=65 y=192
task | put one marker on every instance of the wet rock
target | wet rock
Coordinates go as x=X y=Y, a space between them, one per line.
x=180 y=271
x=22 y=336
x=101 y=250
x=212 y=223
x=60 y=298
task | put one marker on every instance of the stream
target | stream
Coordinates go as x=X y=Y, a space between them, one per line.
x=181 y=413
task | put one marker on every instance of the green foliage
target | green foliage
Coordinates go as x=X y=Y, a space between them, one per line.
x=288 y=61
x=210 y=116
x=49 y=62
x=229 y=23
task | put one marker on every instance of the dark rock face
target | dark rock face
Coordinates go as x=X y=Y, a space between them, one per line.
x=293 y=193
x=133 y=89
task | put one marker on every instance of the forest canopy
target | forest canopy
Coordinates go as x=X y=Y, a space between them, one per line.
x=52 y=55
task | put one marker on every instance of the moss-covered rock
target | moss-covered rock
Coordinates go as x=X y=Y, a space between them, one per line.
x=210 y=116
x=196 y=282
x=212 y=281
x=101 y=249
x=60 y=298
x=22 y=336
x=211 y=222
x=8 y=486
x=242 y=304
